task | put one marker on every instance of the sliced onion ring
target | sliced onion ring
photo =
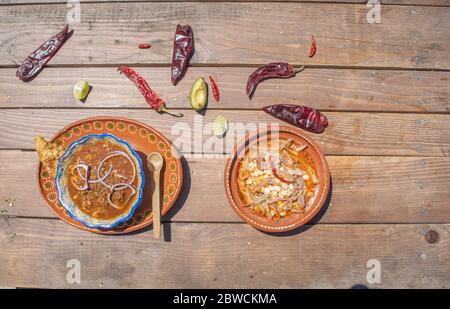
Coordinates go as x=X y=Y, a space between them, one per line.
x=113 y=189
x=113 y=154
x=101 y=179
x=86 y=169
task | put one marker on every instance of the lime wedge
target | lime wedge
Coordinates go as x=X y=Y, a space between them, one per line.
x=80 y=90
x=220 y=125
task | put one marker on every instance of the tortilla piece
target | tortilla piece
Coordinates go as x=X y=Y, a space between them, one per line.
x=49 y=154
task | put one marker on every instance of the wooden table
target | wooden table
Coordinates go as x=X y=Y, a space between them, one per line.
x=384 y=88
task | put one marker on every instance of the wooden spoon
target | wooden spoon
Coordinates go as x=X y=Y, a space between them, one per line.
x=155 y=163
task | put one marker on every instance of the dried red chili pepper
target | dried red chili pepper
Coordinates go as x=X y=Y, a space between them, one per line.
x=183 y=49
x=150 y=96
x=271 y=70
x=36 y=61
x=144 y=46
x=301 y=116
x=214 y=88
x=313 y=48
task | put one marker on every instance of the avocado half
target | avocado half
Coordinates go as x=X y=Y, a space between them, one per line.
x=198 y=96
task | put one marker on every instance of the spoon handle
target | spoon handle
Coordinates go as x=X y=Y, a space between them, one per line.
x=156 y=208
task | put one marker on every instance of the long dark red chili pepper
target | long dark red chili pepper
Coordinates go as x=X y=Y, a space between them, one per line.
x=36 y=61
x=271 y=70
x=215 y=89
x=183 y=49
x=301 y=116
x=313 y=48
x=150 y=96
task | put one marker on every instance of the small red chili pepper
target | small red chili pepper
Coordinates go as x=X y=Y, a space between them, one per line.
x=313 y=48
x=150 y=96
x=144 y=46
x=275 y=173
x=214 y=88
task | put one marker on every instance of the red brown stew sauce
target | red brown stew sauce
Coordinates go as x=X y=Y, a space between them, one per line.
x=305 y=160
x=94 y=201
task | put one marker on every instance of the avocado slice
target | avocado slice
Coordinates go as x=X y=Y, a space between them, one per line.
x=198 y=94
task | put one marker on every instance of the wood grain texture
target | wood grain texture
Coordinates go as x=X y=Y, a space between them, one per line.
x=224 y=256
x=364 y=189
x=348 y=133
x=417 y=2
x=325 y=89
x=231 y=33
x=387 y=145
x=387 y=2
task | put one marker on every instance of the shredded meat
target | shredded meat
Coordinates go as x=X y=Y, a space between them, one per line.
x=277 y=180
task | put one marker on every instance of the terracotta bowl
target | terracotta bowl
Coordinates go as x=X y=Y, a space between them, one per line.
x=293 y=220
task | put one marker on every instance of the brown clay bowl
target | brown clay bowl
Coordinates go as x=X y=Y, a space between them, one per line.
x=293 y=220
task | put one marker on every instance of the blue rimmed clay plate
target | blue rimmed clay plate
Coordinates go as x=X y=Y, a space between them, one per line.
x=143 y=140
x=63 y=175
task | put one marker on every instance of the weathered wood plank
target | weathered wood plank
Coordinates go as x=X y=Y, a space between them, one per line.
x=326 y=89
x=365 y=189
x=417 y=2
x=348 y=133
x=224 y=255
x=231 y=33
x=392 y=2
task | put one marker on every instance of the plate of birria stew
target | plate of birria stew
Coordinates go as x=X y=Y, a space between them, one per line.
x=277 y=180
x=93 y=174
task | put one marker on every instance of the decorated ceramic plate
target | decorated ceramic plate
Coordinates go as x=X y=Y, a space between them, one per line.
x=143 y=140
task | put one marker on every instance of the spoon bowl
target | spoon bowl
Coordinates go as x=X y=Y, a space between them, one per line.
x=155 y=161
